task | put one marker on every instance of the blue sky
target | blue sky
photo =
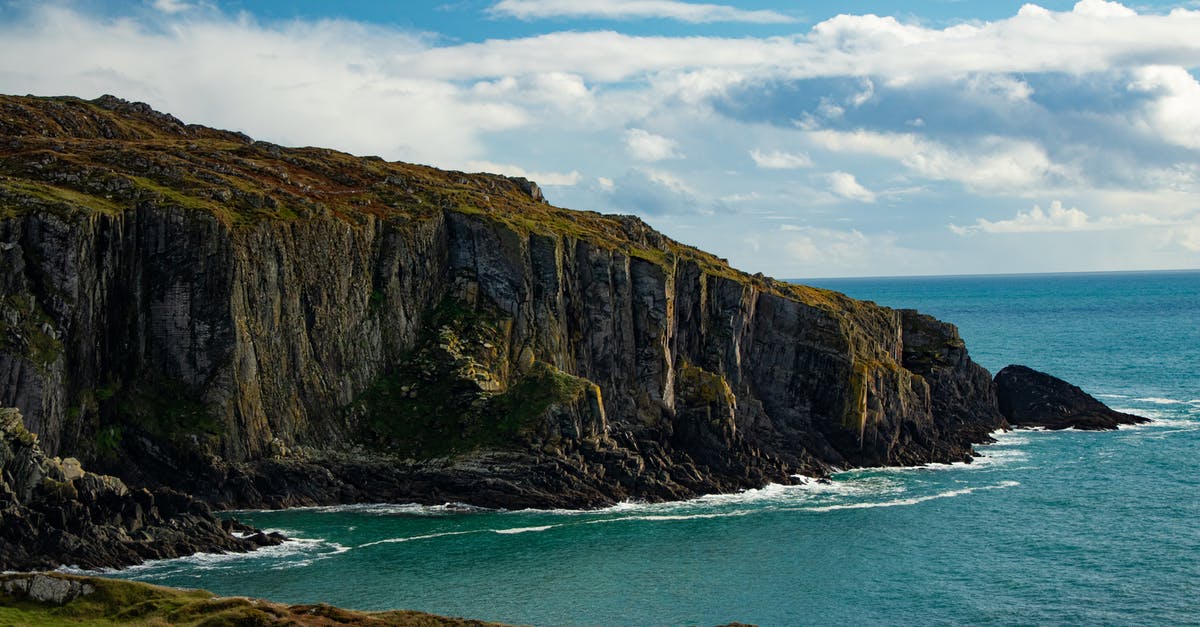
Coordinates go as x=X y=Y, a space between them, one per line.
x=799 y=139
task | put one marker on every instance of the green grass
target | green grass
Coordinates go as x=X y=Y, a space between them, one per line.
x=453 y=394
x=25 y=336
x=116 y=602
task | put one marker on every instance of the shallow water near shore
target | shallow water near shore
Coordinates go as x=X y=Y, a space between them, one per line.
x=1044 y=527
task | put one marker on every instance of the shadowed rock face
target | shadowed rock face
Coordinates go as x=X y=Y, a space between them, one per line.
x=1029 y=398
x=268 y=326
x=53 y=513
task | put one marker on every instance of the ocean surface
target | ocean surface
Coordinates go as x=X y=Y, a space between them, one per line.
x=1043 y=528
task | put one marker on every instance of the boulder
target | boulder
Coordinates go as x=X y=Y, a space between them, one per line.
x=1029 y=398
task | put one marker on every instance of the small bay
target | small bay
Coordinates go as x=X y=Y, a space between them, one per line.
x=1043 y=528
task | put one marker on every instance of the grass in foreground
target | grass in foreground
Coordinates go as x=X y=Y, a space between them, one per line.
x=116 y=602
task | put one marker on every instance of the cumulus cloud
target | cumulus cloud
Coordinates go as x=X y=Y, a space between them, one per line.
x=845 y=185
x=171 y=6
x=655 y=192
x=988 y=163
x=815 y=251
x=1057 y=219
x=1170 y=113
x=695 y=13
x=1189 y=237
x=319 y=83
x=1079 y=41
x=779 y=160
x=646 y=146
x=551 y=179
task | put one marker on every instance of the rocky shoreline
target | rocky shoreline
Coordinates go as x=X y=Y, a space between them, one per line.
x=53 y=513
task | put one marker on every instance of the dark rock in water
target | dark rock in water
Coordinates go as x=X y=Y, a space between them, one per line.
x=1029 y=398
x=54 y=513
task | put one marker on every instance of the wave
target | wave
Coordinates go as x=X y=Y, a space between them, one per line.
x=1111 y=396
x=420 y=537
x=912 y=500
x=380 y=509
x=291 y=548
x=1160 y=401
x=524 y=529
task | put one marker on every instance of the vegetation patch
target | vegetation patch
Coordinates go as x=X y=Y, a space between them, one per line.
x=26 y=330
x=454 y=393
x=108 y=602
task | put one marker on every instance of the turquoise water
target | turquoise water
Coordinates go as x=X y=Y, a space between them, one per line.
x=1044 y=528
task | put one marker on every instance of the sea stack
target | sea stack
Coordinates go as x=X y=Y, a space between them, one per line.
x=1029 y=398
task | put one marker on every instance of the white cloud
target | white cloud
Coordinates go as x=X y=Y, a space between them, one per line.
x=1086 y=40
x=172 y=6
x=1189 y=237
x=550 y=179
x=1102 y=8
x=646 y=146
x=989 y=163
x=1172 y=115
x=1057 y=219
x=811 y=251
x=695 y=13
x=845 y=185
x=779 y=160
x=321 y=83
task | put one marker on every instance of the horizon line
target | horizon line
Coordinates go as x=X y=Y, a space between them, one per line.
x=991 y=274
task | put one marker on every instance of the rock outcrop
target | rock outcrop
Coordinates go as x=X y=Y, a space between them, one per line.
x=52 y=513
x=1029 y=398
x=269 y=326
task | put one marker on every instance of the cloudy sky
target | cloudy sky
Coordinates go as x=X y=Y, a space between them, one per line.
x=799 y=139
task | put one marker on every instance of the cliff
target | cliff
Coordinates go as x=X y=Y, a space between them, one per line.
x=261 y=325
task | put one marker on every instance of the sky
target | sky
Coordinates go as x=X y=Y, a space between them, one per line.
x=799 y=139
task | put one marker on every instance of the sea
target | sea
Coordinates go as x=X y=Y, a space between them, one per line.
x=1057 y=528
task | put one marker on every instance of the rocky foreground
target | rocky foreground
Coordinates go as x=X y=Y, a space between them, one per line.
x=52 y=513
x=58 y=599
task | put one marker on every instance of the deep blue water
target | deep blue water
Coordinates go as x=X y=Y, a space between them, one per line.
x=1044 y=528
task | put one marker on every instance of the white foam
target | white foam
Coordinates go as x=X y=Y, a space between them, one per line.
x=524 y=529
x=291 y=547
x=910 y=501
x=1159 y=401
x=391 y=509
x=1112 y=396
x=421 y=537
x=674 y=517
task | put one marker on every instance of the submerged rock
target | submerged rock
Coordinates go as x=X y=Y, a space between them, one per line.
x=1029 y=398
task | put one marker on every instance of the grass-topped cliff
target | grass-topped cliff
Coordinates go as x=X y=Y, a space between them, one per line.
x=263 y=325
x=102 y=156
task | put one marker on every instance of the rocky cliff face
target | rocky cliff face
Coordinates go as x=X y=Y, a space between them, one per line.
x=259 y=324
